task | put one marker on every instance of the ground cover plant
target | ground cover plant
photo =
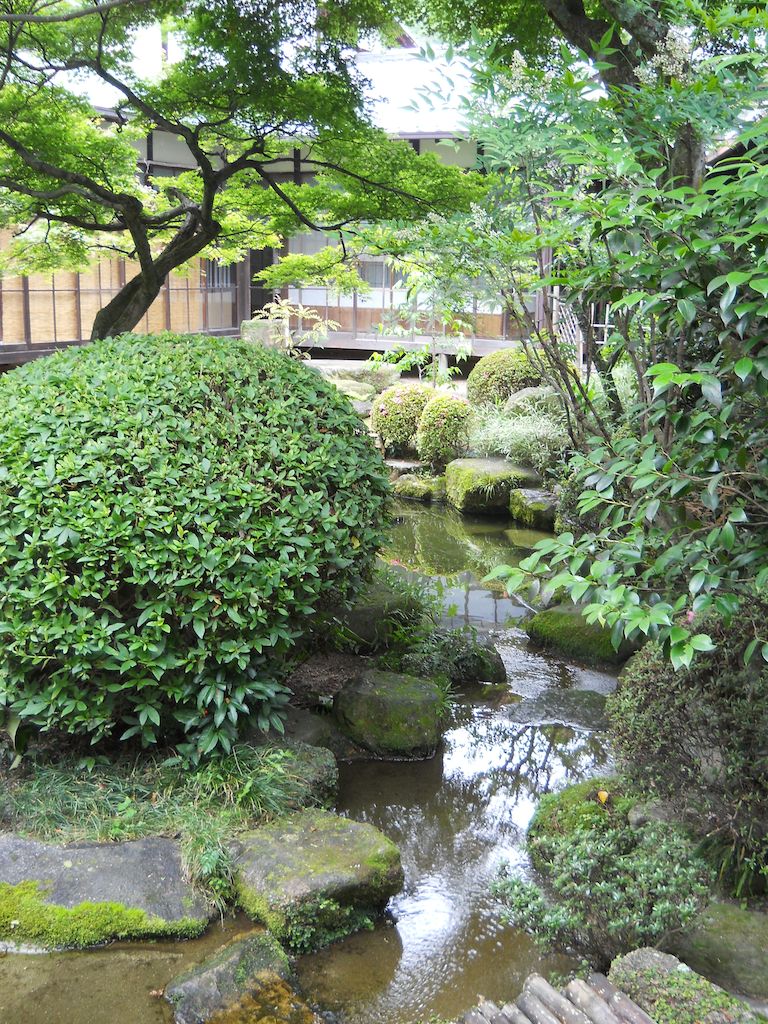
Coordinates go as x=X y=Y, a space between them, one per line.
x=534 y=439
x=608 y=888
x=173 y=510
x=70 y=800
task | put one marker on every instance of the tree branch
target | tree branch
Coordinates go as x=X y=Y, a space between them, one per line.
x=82 y=12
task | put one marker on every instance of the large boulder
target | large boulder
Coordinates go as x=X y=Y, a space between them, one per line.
x=356 y=390
x=729 y=945
x=313 y=877
x=68 y=897
x=565 y=631
x=391 y=714
x=483 y=486
x=671 y=993
x=543 y=398
x=248 y=979
x=533 y=507
x=380 y=375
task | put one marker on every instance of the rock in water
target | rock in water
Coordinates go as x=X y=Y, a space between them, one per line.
x=484 y=485
x=313 y=877
x=54 y=897
x=533 y=507
x=248 y=979
x=390 y=714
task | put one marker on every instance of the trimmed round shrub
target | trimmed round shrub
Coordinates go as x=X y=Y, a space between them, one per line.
x=396 y=414
x=173 y=511
x=499 y=375
x=443 y=431
x=699 y=736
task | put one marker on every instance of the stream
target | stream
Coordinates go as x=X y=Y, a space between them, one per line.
x=456 y=818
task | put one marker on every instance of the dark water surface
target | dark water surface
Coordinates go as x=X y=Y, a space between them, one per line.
x=456 y=818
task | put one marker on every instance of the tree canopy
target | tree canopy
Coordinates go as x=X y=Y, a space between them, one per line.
x=255 y=81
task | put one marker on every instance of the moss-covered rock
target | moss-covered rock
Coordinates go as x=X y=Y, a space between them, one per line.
x=420 y=488
x=313 y=877
x=483 y=486
x=564 y=630
x=71 y=897
x=533 y=507
x=378 y=611
x=671 y=993
x=390 y=714
x=577 y=807
x=728 y=944
x=254 y=967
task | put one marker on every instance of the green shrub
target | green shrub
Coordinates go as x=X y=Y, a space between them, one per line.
x=499 y=375
x=610 y=888
x=173 y=510
x=700 y=735
x=396 y=413
x=443 y=432
x=538 y=441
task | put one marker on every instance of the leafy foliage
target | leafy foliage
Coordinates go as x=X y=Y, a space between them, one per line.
x=610 y=889
x=443 y=430
x=677 y=494
x=397 y=412
x=698 y=736
x=173 y=511
x=539 y=441
x=254 y=83
x=499 y=375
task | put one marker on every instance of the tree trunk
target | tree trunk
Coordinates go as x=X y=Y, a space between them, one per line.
x=124 y=311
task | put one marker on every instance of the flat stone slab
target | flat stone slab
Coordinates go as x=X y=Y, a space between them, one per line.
x=313 y=876
x=141 y=882
x=248 y=979
x=483 y=486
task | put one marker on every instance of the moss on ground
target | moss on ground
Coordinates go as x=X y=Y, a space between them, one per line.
x=578 y=806
x=567 y=632
x=26 y=919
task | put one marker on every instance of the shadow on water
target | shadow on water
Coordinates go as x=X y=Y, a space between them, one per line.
x=456 y=818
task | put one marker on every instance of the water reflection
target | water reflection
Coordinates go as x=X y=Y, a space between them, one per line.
x=455 y=820
x=456 y=552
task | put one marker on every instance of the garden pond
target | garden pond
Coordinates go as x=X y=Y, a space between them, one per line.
x=456 y=818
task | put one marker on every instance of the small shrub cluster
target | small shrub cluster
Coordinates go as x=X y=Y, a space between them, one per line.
x=699 y=735
x=538 y=440
x=443 y=432
x=499 y=375
x=396 y=414
x=172 y=512
x=610 y=888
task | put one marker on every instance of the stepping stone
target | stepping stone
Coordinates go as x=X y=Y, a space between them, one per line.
x=533 y=507
x=484 y=485
x=248 y=979
x=55 y=897
x=313 y=877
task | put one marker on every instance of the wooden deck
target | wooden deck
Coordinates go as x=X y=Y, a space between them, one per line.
x=594 y=1001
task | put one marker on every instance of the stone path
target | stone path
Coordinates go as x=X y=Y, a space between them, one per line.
x=595 y=1001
